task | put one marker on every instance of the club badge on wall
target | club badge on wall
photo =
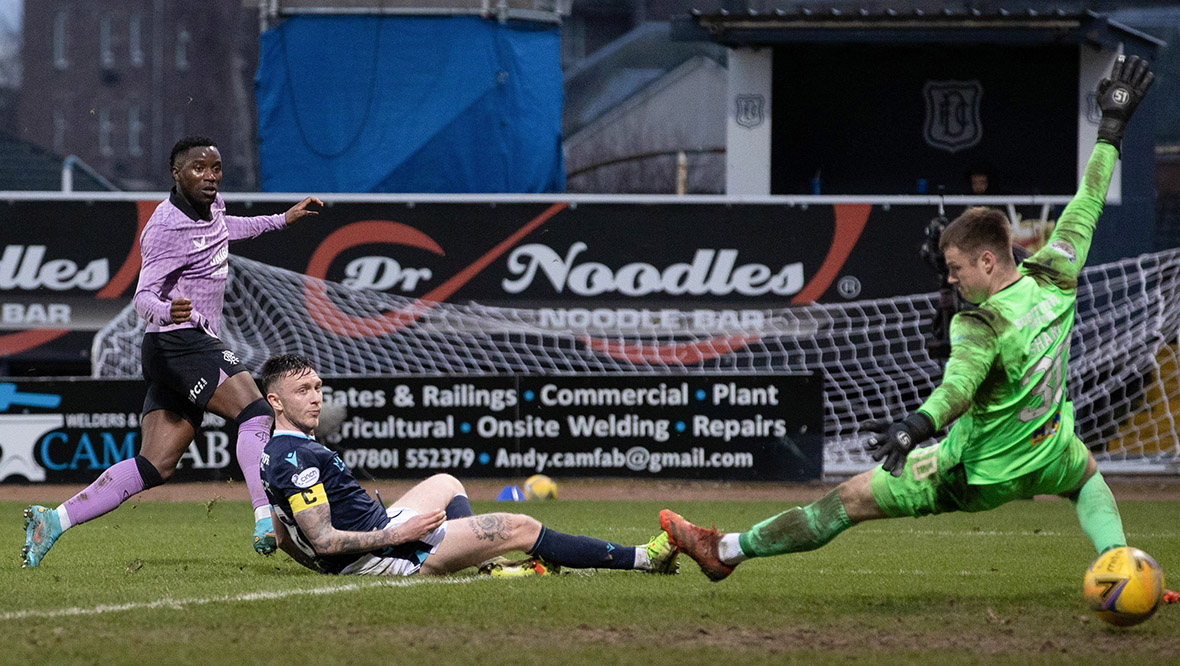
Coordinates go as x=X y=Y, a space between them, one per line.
x=1093 y=114
x=952 y=114
x=750 y=110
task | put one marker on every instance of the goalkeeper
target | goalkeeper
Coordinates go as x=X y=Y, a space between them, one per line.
x=1003 y=390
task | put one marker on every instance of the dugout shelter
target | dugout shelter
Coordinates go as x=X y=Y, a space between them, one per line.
x=906 y=98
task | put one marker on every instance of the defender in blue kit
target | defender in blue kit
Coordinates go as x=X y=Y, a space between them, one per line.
x=330 y=524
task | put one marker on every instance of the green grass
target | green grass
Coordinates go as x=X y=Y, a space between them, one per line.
x=169 y=583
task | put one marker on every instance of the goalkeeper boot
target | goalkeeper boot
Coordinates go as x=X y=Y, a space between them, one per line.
x=699 y=543
x=42 y=528
x=1171 y=597
x=662 y=555
x=502 y=567
x=264 y=536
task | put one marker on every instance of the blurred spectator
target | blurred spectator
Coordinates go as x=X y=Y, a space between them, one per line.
x=981 y=179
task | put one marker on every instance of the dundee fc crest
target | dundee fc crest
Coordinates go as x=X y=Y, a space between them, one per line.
x=749 y=112
x=952 y=114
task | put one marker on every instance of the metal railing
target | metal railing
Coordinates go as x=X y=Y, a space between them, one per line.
x=544 y=11
x=72 y=162
x=681 y=163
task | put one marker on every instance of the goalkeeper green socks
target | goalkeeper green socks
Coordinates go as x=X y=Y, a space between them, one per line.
x=1099 y=514
x=810 y=527
x=797 y=529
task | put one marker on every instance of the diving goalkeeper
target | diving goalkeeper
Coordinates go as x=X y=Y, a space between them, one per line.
x=1003 y=390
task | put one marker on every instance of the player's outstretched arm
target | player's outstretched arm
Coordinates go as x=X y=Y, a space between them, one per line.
x=241 y=228
x=973 y=351
x=1118 y=97
x=301 y=210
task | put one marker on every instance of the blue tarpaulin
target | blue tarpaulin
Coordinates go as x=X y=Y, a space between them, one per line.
x=410 y=104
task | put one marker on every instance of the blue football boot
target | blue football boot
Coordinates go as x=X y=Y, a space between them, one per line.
x=42 y=528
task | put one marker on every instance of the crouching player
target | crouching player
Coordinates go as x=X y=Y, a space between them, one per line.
x=326 y=522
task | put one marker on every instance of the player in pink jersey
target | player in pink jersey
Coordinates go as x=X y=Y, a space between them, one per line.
x=185 y=249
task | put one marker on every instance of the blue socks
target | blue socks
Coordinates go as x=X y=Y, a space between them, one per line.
x=581 y=552
x=459 y=507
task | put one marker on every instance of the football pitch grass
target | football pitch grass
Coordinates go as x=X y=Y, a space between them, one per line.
x=176 y=582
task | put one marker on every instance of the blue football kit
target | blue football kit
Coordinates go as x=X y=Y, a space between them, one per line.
x=299 y=473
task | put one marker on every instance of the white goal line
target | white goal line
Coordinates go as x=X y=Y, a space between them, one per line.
x=183 y=604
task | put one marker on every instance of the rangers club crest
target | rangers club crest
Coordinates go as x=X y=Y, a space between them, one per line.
x=750 y=111
x=952 y=114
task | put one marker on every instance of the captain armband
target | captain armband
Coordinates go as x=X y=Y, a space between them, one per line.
x=312 y=497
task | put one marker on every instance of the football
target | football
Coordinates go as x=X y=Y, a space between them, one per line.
x=1124 y=586
x=539 y=487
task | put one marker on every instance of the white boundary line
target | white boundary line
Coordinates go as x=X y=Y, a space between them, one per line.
x=182 y=604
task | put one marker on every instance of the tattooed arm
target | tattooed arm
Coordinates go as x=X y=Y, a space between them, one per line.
x=316 y=523
x=287 y=544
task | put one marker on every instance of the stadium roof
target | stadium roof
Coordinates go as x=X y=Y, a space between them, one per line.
x=765 y=22
x=27 y=166
x=622 y=69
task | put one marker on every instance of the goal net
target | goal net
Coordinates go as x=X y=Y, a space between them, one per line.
x=1124 y=374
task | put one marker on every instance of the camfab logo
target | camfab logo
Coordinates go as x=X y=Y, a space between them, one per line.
x=19 y=433
x=11 y=396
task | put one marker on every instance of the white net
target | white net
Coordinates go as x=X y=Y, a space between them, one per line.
x=1124 y=373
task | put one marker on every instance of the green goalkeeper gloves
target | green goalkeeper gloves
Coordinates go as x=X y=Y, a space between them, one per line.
x=892 y=442
x=1119 y=95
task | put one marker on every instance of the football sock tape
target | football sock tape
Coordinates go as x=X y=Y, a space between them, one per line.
x=148 y=472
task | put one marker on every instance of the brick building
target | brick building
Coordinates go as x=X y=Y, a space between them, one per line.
x=116 y=82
